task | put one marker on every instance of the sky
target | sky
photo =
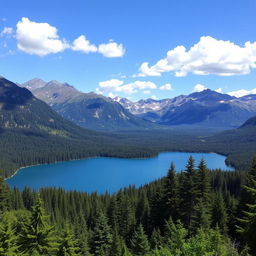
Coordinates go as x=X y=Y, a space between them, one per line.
x=134 y=49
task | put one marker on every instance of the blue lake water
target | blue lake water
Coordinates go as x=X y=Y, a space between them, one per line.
x=102 y=174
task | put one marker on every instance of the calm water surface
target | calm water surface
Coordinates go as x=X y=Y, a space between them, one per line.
x=107 y=174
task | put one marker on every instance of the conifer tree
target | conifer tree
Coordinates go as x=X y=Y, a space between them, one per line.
x=188 y=192
x=171 y=194
x=67 y=243
x=4 y=196
x=7 y=240
x=102 y=236
x=219 y=213
x=175 y=235
x=247 y=224
x=36 y=236
x=139 y=242
x=203 y=183
x=200 y=218
x=82 y=235
x=156 y=240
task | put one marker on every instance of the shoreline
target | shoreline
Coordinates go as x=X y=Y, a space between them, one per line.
x=83 y=158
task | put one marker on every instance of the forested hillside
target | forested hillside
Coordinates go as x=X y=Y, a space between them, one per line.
x=196 y=212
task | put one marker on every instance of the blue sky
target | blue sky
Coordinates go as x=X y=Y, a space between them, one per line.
x=121 y=47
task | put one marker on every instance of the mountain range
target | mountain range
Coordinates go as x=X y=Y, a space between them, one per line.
x=208 y=108
x=88 y=110
x=31 y=132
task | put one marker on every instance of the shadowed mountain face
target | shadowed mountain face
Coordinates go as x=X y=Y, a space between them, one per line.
x=19 y=109
x=250 y=123
x=87 y=110
x=207 y=109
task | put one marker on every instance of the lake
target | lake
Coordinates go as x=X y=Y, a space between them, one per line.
x=102 y=174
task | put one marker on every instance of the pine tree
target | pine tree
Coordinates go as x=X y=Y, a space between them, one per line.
x=203 y=183
x=4 y=196
x=82 y=235
x=102 y=236
x=188 y=192
x=247 y=225
x=171 y=194
x=67 y=243
x=139 y=242
x=200 y=218
x=117 y=245
x=16 y=199
x=7 y=240
x=219 y=213
x=36 y=236
x=175 y=235
x=156 y=239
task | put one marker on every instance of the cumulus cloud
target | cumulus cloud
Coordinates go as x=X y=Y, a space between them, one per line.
x=43 y=39
x=199 y=88
x=208 y=56
x=242 y=92
x=153 y=97
x=38 y=38
x=118 y=86
x=111 y=49
x=219 y=90
x=6 y=31
x=83 y=45
x=166 y=87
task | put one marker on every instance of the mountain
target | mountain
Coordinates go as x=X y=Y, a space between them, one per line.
x=250 y=123
x=88 y=110
x=31 y=132
x=206 y=109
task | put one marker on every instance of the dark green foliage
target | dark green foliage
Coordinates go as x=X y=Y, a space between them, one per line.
x=134 y=221
x=170 y=193
x=8 y=245
x=139 y=242
x=247 y=225
x=4 y=196
x=188 y=192
x=36 y=236
x=219 y=214
x=67 y=243
x=102 y=236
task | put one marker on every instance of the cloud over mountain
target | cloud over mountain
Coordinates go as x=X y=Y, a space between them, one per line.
x=208 y=56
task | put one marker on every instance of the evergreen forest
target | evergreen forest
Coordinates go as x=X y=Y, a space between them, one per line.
x=195 y=212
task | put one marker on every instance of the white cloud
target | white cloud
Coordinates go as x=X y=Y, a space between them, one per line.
x=83 y=45
x=111 y=49
x=208 y=56
x=111 y=95
x=166 y=87
x=38 y=38
x=42 y=39
x=146 y=71
x=147 y=92
x=242 y=92
x=199 y=88
x=219 y=90
x=118 y=86
x=6 y=31
x=153 y=97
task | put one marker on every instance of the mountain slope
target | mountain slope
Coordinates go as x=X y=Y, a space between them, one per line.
x=238 y=144
x=87 y=110
x=32 y=133
x=250 y=122
x=207 y=109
